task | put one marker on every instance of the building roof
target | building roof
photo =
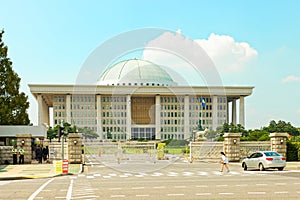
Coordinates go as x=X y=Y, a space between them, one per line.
x=136 y=72
x=12 y=131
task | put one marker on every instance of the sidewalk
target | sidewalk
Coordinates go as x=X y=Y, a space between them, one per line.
x=29 y=171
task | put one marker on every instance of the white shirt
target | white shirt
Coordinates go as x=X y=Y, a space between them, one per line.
x=225 y=160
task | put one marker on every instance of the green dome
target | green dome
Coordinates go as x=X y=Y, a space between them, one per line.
x=136 y=72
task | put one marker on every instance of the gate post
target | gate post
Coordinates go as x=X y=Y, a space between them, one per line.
x=75 y=148
x=24 y=140
x=231 y=146
x=278 y=142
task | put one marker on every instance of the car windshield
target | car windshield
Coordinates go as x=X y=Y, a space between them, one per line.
x=271 y=154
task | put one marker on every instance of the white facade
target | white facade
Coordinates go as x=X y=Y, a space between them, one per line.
x=137 y=99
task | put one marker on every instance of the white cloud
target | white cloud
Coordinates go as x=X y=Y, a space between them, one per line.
x=291 y=79
x=183 y=58
x=227 y=54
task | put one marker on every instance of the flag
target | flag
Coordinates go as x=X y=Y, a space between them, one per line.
x=202 y=101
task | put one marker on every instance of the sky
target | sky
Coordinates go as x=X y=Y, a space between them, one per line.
x=251 y=43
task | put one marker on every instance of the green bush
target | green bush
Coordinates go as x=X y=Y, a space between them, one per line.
x=293 y=151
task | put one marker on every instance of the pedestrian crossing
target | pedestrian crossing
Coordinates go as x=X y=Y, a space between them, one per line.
x=182 y=174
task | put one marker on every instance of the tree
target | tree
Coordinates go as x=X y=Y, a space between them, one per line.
x=88 y=133
x=282 y=126
x=13 y=105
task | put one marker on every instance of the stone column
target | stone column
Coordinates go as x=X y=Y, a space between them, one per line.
x=227 y=112
x=242 y=111
x=186 y=117
x=128 y=117
x=214 y=112
x=157 y=117
x=25 y=141
x=40 y=110
x=278 y=142
x=74 y=148
x=231 y=146
x=68 y=109
x=43 y=111
x=98 y=115
x=233 y=114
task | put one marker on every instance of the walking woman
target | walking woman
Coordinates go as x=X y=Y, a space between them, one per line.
x=224 y=162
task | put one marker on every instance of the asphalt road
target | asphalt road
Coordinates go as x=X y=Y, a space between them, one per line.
x=178 y=180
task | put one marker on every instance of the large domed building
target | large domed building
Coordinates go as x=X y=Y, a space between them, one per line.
x=138 y=99
x=136 y=72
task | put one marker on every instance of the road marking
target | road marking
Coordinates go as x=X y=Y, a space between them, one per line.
x=280 y=183
x=188 y=173
x=115 y=188
x=32 y=197
x=256 y=193
x=142 y=195
x=91 y=189
x=90 y=177
x=202 y=194
x=226 y=193
x=203 y=173
x=138 y=188
x=201 y=186
x=159 y=187
x=112 y=174
x=297 y=183
x=69 y=193
x=281 y=192
x=241 y=185
x=175 y=195
x=86 y=197
x=97 y=174
x=261 y=184
x=221 y=185
x=117 y=196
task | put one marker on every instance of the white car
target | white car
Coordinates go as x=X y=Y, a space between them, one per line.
x=263 y=160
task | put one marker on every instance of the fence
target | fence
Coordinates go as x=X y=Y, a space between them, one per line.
x=211 y=150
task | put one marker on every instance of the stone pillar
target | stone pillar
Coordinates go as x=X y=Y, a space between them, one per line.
x=128 y=117
x=186 y=117
x=242 y=111
x=278 y=142
x=214 y=112
x=25 y=141
x=74 y=148
x=227 y=112
x=233 y=114
x=68 y=109
x=231 y=146
x=98 y=115
x=43 y=111
x=157 y=117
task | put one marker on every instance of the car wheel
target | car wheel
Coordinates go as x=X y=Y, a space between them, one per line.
x=244 y=166
x=261 y=167
x=280 y=168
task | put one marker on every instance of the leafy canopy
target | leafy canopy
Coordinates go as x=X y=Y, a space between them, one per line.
x=13 y=104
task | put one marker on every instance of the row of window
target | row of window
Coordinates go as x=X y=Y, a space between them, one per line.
x=74 y=98
x=141 y=84
x=171 y=114
x=172 y=99
x=172 y=136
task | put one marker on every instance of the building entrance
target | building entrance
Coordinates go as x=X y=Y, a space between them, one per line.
x=147 y=133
